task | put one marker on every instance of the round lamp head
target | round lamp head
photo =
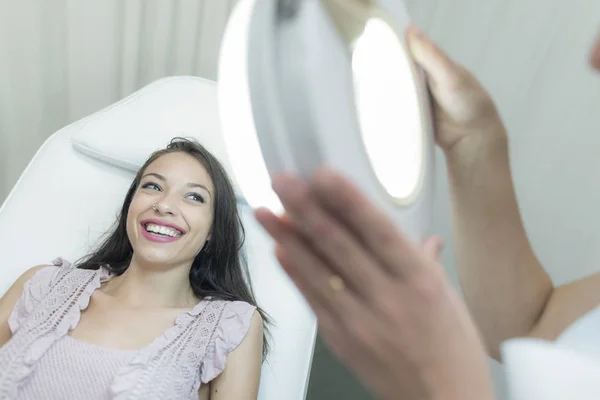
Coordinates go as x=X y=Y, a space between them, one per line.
x=387 y=104
x=307 y=84
x=236 y=115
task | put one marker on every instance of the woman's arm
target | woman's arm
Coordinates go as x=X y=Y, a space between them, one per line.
x=505 y=286
x=241 y=377
x=8 y=301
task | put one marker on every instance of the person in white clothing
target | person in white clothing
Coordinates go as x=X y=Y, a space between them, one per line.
x=385 y=306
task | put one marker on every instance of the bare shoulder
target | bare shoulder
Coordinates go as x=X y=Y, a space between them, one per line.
x=27 y=275
x=241 y=377
x=10 y=298
x=250 y=348
x=566 y=305
x=17 y=287
x=256 y=324
x=252 y=342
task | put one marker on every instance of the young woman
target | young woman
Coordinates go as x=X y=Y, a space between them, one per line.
x=163 y=309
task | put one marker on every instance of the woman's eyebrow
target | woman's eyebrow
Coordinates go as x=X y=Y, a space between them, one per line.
x=154 y=174
x=198 y=185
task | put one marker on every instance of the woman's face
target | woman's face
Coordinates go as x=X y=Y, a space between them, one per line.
x=171 y=213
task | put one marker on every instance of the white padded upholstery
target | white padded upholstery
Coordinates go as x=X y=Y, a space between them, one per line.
x=125 y=133
x=69 y=195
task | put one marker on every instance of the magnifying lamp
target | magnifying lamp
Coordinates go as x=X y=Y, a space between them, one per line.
x=310 y=83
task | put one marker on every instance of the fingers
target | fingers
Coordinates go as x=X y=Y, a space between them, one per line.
x=340 y=251
x=371 y=227
x=438 y=66
x=309 y=273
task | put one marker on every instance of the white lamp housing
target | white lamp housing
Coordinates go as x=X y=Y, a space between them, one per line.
x=310 y=83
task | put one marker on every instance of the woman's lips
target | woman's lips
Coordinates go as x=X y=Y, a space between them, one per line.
x=157 y=237
x=163 y=223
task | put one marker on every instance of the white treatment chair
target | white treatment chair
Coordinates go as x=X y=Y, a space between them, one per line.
x=71 y=192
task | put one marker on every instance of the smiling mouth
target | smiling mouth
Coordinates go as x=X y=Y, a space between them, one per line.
x=161 y=231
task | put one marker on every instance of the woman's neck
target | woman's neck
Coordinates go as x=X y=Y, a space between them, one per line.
x=151 y=287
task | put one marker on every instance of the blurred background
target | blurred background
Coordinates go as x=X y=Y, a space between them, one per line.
x=61 y=60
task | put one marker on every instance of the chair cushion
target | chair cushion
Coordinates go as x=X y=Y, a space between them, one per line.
x=126 y=133
x=74 y=187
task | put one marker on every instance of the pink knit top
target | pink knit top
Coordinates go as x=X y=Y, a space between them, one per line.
x=42 y=362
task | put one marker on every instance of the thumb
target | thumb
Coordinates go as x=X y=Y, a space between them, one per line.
x=433 y=246
x=438 y=66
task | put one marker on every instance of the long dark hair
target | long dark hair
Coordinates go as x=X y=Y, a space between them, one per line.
x=220 y=270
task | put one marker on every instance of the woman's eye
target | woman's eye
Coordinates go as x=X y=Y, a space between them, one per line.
x=196 y=197
x=151 y=186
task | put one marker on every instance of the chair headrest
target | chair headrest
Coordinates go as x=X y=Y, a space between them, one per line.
x=126 y=133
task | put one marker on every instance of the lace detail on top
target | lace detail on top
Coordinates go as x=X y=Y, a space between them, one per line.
x=36 y=288
x=228 y=336
x=199 y=341
x=55 y=379
x=191 y=352
x=46 y=312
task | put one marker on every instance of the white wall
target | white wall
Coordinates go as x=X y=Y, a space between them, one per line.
x=532 y=55
x=63 y=59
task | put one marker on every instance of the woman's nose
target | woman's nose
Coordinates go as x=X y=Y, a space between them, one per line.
x=163 y=207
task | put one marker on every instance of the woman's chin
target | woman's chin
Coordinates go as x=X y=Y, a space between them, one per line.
x=158 y=258
x=146 y=253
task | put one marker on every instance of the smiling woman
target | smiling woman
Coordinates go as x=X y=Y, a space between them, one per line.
x=156 y=311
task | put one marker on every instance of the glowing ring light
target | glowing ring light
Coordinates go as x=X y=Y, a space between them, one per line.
x=309 y=83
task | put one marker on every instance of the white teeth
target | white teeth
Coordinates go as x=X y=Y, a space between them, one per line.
x=163 y=230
